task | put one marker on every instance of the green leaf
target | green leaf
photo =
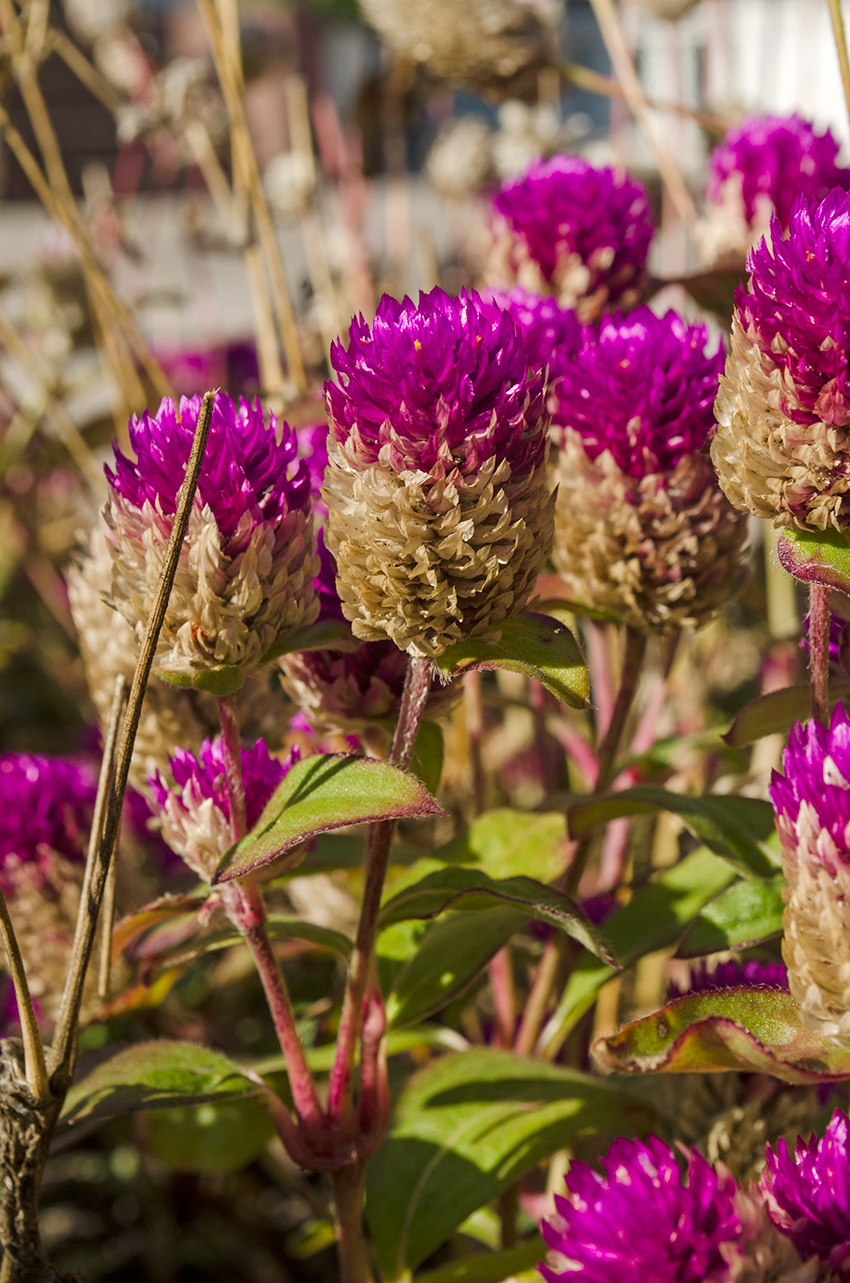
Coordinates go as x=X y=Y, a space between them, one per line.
x=321 y=793
x=506 y=843
x=327 y=634
x=155 y=1075
x=221 y=681
x=753 y=1029
x=398 y=1042
x=466 y=1128
x=178 y=912
x=462 y=888
x=451 y=954
x=656 y=917
x=536 y=645
x=748 y=913
x=427 y=761
x=737 y=828
x=820 y=557
x=489 y=1267
x=776 y=713
x=210 y=1137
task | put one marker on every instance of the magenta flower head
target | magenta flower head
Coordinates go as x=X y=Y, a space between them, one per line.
x=195 y=817
x=782 y=448
x=439 y=513
x=245 y=578
x=732 y=975
x=808 y=1196
x=46 y=806
x=641 y=527
x=758 y=171
x=644 y=1219
x=551 y=333
x=812 y=805
x=575 y=232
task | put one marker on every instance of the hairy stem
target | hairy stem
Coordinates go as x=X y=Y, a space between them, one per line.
x=348 y=1200
x=819 y=651
x=340 y=1106
x=231 y=739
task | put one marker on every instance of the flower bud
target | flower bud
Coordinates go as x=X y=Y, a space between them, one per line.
x=245 y=577
x=439 y=513
x=812 y=804
x=572 y=231
x=641 y=527
x=782 y=448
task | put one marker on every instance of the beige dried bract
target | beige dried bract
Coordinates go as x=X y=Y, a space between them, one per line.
x=816 y=922
x=660 y=552
x=799 y=475
x=764 y=1254
x=430 y=561
x=489 y=45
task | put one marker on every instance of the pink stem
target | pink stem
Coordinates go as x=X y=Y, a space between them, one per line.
x=819 y=651
x=577 y=748
x=599 y=663
x=231 y=739
x=504 y=997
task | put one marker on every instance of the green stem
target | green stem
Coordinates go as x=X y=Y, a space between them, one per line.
x=348 y=1185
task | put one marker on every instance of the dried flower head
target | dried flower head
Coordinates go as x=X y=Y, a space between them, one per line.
x=757 y=172
x=492 y=46
x=461 y=157
x=643 y=1219
x=439 y=515
x=195 y=816
x=782 y=448
x=808 y=1195
x=576 y=232
x=171 y=718
x=812 y=804
x=641 y=528
x=245 y=577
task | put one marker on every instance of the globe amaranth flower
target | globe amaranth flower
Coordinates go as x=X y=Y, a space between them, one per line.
x=439 y=513
x=782 y=448
x=46 y=807
x=245 y=576
x=733 y=973
x=575 y=232
x=171 y=717
x=812 y=805
x=807 y=1194
x=641 y=527
x=195 y=815
x=644 y=1219
x=757 y=172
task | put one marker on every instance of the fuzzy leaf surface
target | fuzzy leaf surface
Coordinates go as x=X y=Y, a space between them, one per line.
x=533 y=644
x=816 y=556
x=753 y=1029
x=776 y=712
x=327 y=791
x=213 y=1137
x=463 y=888
x=738 y=828
x=748 y=913
x=155 y=1075
x=506 y=843
x=468 y=1127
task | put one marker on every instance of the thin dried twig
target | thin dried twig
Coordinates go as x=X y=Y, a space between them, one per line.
x=621 y=59
x=34 y=1064
x=607 y=87
x=841 y=47
x=62 y=1052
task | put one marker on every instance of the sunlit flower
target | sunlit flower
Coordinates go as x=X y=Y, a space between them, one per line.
x=808 y=1195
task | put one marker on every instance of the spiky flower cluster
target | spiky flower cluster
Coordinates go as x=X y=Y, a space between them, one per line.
x=552 y=334
x=758 y=171
x=731 y=974
x=439 y=516
x=812 y=804
x=807 y=1194
x=195 y=816
x=246 y=569
x=573 y=231
x=782 y=448
x=641 y=528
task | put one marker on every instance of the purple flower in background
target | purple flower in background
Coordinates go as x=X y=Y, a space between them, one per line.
x=46 y=806
x=574 y=231
x=731 y=974
x=439 y=511
x=551 y=333
x=641 y=386
x=641 y=527
x=812 y=804
x=771 y=160
x=313 y=449
x=782 y=448
x=246 y=571
x=644 y=1220
x=807 y=1194
x=196 y=816
x=837 y=625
